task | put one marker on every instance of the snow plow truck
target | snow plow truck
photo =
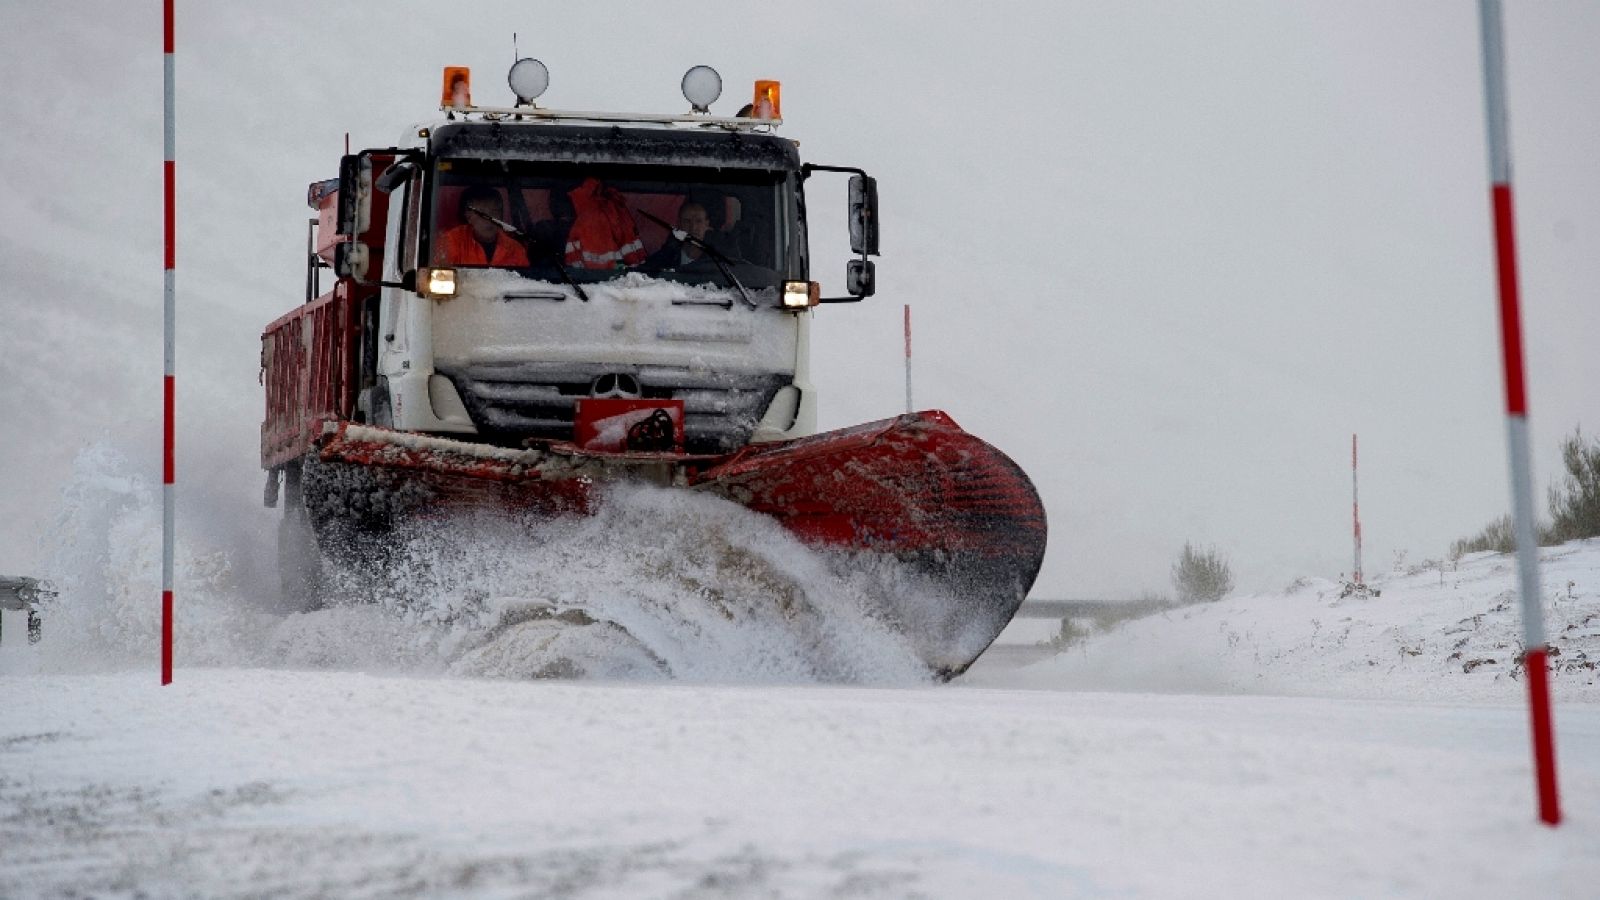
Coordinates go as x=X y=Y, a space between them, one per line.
x=530 y=304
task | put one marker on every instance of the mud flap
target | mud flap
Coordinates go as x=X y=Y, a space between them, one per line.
x=301 y=583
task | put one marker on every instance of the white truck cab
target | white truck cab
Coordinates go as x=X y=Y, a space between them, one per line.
x=531 y=258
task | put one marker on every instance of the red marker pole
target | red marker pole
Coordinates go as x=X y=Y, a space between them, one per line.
x=168 y=311
x=1544 y=752
x=1355 y=508
x=908 y=358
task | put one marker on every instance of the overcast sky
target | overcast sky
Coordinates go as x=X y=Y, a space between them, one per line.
x=1169 y=256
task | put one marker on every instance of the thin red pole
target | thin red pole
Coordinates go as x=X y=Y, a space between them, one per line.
x=908 y=358
x=168 y=395
x=1544 y=751
x=1355 y=508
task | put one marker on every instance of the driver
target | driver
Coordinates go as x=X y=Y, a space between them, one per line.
x=696 y=222
x=480 y=240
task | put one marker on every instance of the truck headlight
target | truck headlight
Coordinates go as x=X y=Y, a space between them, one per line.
x=799 y=295
x=440 y=284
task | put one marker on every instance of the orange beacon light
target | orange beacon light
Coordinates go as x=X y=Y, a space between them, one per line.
x=457 y=90
x=766 y=104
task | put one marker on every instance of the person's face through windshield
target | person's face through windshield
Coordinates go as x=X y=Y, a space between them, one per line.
x=484 y=228
x=693 y=219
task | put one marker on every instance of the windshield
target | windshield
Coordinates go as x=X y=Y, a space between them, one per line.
x=592 y=223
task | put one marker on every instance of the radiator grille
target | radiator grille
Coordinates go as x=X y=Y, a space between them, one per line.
x=511 y=403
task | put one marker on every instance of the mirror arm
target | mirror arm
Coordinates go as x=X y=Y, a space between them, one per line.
x=808 y=168
x=407 y=282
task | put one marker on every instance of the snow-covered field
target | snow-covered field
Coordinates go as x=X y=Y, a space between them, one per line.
x=1294 y=744
x=1450 y=634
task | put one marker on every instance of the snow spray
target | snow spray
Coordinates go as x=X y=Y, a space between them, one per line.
x=723 y=594
x=658 y=585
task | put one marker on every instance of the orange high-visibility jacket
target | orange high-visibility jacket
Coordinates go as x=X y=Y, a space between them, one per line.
x=459 y=246
x=603 y=236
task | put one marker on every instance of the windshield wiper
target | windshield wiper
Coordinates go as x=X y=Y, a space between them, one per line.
x=723 y=263
x=526 y=242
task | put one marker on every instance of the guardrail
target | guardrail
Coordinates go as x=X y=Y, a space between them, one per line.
x=1068 y=609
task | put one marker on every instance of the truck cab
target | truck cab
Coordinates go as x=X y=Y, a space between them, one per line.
x=504 y=264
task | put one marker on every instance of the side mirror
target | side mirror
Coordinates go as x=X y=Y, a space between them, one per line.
x=355 y=194
x=864 y=215
x=395 y=175
x=860 y=277
x=351 y=260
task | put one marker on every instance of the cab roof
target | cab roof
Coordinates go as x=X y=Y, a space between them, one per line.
x=564 y=142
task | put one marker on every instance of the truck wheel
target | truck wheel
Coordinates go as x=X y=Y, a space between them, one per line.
x=301 y=581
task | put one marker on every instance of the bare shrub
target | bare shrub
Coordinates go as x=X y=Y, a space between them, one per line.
x=1201 y=576
x=1071 y=633
x=1497 y=537
x=1575 y=501
x=1574 y=505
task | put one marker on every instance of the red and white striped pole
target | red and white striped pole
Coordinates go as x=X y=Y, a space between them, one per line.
x=1544 y=753
x=908 y=358
x=168 y=312
x=1355 y=508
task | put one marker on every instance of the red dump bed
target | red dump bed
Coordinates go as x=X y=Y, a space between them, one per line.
x=309 y=365
x=310 y=357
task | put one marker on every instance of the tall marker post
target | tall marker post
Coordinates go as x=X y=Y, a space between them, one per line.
x=908 y=358
x=168 y=312
x=1355 y=510
x=1534 y=661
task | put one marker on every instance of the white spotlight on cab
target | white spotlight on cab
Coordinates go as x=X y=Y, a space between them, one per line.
x=701 y=87
x=528 y=79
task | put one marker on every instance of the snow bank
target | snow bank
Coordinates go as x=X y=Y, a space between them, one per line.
x=1433 y=634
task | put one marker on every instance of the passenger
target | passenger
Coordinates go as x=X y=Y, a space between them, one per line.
x=479 y=240
x=602 y=236
x=693 y=221
x=696 y=221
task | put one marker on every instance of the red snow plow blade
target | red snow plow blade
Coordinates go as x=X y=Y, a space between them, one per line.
x=916 y=487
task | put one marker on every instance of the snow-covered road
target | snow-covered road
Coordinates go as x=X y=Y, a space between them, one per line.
x=1282 y=744
x=281 y=783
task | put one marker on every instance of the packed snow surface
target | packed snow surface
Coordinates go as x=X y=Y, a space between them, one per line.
x=1293 y=744
x=249 y=782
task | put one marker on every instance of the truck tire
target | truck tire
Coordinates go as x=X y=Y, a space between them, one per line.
x=301 y=579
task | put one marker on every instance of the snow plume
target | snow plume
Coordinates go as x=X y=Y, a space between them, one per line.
x=657 y=583
x=104 y=554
